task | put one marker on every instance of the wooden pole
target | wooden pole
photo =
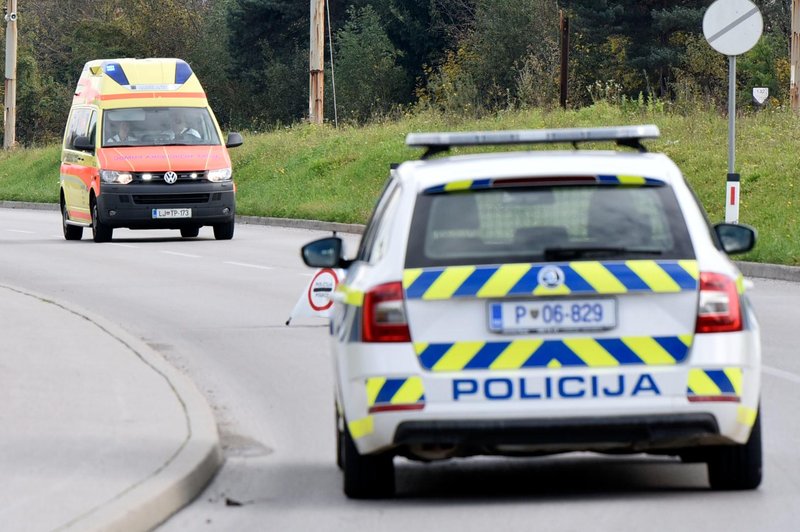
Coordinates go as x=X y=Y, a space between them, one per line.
x=316 y=63
x=794 y=93
x=10 y=108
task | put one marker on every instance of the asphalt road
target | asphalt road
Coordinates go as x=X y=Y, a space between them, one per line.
x=216 y=310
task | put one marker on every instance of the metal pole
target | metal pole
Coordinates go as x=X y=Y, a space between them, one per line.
x=316 y=84
x=564 y=57
x=10 y=108
x=794 y=93
x=732 y=185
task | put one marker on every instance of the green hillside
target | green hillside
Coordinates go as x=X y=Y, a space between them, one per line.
x=324 y=173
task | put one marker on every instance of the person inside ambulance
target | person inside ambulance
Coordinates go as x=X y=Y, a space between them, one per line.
x=181 y=128
x=123 y=134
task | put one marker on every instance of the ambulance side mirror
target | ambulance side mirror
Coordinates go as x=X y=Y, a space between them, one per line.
x=324 y=253
x=735 y=238
x=83 y=143
x=234 y=140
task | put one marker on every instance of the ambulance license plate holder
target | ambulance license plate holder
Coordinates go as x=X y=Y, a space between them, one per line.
x=552 y=315
x=172 y=213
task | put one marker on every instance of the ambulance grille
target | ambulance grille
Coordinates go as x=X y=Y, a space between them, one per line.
x=157 y=178
x=169 y=199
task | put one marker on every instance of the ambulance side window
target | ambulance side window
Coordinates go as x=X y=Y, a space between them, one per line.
x=78 y=126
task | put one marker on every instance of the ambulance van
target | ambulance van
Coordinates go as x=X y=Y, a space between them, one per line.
x=143 y=150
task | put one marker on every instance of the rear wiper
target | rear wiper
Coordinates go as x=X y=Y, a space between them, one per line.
x=551 y=254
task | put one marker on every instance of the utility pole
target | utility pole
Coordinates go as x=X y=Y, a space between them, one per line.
x=10 y=109
x=794 y=91
x=316 y=85
x=564 y=31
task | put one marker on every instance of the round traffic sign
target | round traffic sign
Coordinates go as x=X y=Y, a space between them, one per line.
x=321 y=288
x=732 y=27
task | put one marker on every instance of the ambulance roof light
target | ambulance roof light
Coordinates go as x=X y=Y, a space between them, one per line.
x=630 y=136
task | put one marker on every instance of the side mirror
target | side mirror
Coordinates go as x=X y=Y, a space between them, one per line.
x=83 y=143
x=234 y=140
x=324 y=253
x=735 y=238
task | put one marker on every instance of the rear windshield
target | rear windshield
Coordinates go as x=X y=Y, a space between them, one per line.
x=158 y=126
x=547 y=224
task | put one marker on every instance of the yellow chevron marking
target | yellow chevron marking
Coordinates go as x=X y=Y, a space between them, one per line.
x=420 y=347
x=653 y=275
x=557 y=291
x=411 y=275
x=448 y=282
x=409 y=393
x=458 y=185
x=458 y=356
x=516 y=354
x=740 y=284
x=746 y=415
x=687 y=339
x=735 y=376
x=691 y=268
x=554 y=364
x=361 y=427
x=631 y=179
x=701 y=384
x=374 y=385
x=503 y=280
x=591 y=352
x=599 y=277
x=648 y=350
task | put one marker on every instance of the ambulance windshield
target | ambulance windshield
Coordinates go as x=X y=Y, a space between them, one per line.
x=158 y=126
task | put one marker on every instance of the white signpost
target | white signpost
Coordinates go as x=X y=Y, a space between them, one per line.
x=732 y=27
x=760 y=94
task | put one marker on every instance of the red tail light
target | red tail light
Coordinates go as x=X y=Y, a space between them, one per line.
x=384 y=318
x=718 y=309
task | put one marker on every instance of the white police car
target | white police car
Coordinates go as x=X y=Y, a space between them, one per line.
x=535 y=302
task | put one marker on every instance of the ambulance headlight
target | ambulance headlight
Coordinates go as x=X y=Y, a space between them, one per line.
x=118 y=178
x=221 y=174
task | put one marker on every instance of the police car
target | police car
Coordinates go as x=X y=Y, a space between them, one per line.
x=537 y=302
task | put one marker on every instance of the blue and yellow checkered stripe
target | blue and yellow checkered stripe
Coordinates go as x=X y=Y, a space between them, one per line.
x=479 y=184
x=538 y=353
x=382 y=391
x=724 y=382
x=580 y=278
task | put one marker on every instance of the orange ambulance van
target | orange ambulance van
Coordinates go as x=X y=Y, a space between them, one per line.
x=143 y=150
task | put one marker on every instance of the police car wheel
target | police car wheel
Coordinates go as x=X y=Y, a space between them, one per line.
x=369 y=476
x=737 y=467
x=100 y=231
x=339 y=439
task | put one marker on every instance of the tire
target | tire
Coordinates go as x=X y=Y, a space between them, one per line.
x=223 y=231
x=369 y=476
x=190 y=232
x=71 y=232
x=100 y=231
x=339 y=440
x=737 y=467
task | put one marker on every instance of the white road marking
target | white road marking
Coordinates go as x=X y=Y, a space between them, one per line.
x=124 y=245
x=246 y=265
x=781 y=374
x=181 y=254
x=21 y=231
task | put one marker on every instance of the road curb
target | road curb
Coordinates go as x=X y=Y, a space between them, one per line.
x=177 y=482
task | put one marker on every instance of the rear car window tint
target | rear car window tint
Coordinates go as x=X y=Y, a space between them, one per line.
x=503 y=225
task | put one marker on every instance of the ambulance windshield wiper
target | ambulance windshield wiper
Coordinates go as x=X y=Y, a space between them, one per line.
x=594 y=251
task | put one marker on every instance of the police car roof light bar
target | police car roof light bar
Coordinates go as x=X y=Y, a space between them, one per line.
x=629 y=136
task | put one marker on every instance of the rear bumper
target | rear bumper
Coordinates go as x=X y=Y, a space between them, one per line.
x=623 y=434
x=132 y=206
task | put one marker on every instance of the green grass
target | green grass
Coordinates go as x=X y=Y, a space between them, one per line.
x=323 y=173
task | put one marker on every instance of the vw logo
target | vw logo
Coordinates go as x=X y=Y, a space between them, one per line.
x=170 y=177
x=551 y=276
